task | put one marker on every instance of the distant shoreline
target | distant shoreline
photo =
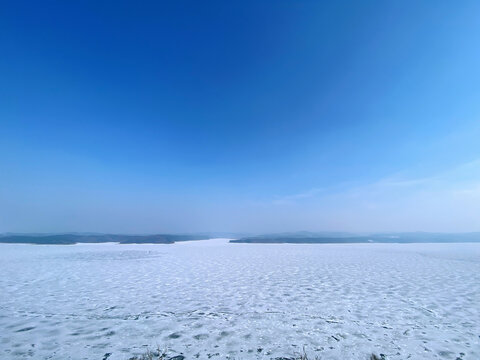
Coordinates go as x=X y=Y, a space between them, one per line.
x=72 y=239
x=396 y=238
x=285 y=238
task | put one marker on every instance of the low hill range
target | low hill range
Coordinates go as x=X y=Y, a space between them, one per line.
x=301 y=237
x=75 y=238
x=304 y=237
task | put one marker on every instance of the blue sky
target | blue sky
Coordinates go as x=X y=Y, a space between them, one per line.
x=240 y=116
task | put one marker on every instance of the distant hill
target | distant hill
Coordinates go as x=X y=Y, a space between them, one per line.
x=292 y=238
x=345 y=238
x=69 y=239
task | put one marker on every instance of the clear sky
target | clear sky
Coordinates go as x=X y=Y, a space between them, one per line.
x=257 y=116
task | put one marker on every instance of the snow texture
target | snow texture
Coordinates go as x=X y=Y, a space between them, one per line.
x=213 y=299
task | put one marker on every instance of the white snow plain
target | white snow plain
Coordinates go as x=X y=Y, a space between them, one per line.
x=213 y=299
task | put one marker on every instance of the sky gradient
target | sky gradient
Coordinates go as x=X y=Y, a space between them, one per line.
x=255 y=116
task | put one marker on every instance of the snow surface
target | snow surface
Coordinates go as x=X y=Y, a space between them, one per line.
x=243 y=301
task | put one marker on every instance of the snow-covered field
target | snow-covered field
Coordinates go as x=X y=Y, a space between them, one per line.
x=242 y=301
